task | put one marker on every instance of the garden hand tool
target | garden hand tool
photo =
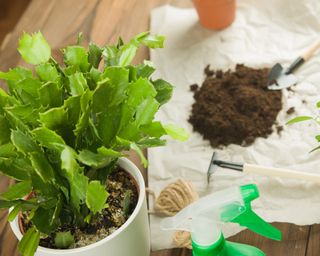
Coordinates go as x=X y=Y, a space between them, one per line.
x=203 y=218
x=260 y=170
x=280 y=78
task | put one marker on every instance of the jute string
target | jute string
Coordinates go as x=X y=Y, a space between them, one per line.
x=173 y=199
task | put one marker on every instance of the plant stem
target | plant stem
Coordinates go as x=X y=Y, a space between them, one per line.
x=55 y=63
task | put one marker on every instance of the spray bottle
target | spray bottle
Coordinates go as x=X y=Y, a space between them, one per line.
x=204 y=218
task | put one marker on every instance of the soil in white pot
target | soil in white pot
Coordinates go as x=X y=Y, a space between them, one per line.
x=122 y=200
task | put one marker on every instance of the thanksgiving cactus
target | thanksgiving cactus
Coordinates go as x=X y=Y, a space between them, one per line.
x=63 y=127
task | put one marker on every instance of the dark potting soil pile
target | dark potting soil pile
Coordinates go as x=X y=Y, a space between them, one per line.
x=122 y=200
x=234 y=106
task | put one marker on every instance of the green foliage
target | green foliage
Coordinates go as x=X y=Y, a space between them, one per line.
x=63 y=240
x=307 y=118
x=126 y=202
x=17 y=191
x=299 y=119
x=29 y=243
x=63 y=127
x=96 y=196
x=164 y=90
x=34 y=49
x=176 y=132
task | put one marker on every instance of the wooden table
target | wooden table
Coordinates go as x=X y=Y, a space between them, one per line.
x=103 y=21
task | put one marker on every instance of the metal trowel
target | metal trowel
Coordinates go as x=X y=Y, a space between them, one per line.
x=260 y=170
x=280 y=78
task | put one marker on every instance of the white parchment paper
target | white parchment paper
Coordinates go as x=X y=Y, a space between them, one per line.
x=265 y=32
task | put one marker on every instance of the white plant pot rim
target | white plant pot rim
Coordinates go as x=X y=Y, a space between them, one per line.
x=141 y=187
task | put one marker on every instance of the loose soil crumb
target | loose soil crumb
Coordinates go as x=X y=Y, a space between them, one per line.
x=291 y=88
x=235 y=106
x=279 y=129
x=208 y=72
x=119 y=184
x=291 y=111
x=194 y=87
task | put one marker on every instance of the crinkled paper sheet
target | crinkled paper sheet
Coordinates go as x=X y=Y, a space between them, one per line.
x=265 y=32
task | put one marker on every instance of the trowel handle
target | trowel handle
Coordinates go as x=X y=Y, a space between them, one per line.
x=282 y=173
x=300 y=60
x=311 y=51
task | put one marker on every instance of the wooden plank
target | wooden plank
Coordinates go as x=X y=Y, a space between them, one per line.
x=8 y=241
x=294 y=240
x=10 y=12
x=173 y=252
x=313 y=248
x=60 y=22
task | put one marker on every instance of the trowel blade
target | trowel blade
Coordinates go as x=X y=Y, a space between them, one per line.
x=275 y=73
x=283 y=81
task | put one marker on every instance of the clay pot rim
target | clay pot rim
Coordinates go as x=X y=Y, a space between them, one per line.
x=216 y=2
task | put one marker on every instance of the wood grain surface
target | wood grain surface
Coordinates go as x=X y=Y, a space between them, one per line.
x=10 y=12
x=103 y=21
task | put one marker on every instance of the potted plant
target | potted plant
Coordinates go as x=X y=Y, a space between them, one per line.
x=65 y=130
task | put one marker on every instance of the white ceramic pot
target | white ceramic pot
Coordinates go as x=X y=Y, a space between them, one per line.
x=131 y=239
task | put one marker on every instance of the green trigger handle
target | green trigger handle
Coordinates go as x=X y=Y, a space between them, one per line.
x=250 y=219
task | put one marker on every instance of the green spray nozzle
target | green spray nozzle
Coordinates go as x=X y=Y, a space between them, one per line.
x=204 y=217
x=250 y=219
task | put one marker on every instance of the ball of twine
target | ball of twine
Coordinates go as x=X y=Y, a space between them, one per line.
x=171 y=200
x=182 y=239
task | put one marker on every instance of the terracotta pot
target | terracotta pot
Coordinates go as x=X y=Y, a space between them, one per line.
x=216 y=14
x=132 y=238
